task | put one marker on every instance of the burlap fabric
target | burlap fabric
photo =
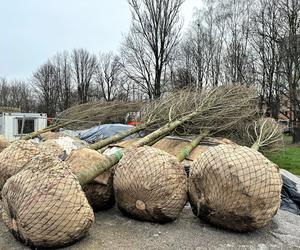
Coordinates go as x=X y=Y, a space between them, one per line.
x=14 y=157
x=50 y=135
x=3 y=143
x=99 y=192
x=150 y=185
x=44 y=205
x=65 y=143
x=52 y=147
x=234 y=187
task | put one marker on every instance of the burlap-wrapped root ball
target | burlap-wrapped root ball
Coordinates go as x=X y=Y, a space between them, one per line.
x=3 y=143
x=99 y=192
x=150 y=185
x=14 y=158
x=44 y=205
x=234 y=187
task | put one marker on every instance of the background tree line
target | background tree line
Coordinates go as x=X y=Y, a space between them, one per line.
x=228 y=42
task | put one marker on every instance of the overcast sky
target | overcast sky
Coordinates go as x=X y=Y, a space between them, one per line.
x=33 y=30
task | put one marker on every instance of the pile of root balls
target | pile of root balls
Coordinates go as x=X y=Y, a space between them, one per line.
x=44 y=205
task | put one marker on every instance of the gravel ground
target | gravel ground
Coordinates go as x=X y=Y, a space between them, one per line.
x=114 y=231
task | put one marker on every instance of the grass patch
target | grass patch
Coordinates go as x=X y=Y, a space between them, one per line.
x=287 y=139
x=287 y=158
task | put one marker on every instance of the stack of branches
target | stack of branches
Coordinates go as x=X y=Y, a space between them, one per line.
x=216 y=110
x=238 y=133
x=264 y=133
x=171 y=107
x=91 y=114
x=221 y=110
x=261 y=132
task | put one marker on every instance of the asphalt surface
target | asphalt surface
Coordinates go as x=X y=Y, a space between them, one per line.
x=114 y=231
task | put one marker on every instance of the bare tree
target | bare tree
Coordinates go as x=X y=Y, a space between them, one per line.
x=4 y=92
x=63 y=74
x=183 y=69
x=107 y=76
x=47 y=88
x=153 y=36
x=84 y=67
x=202 y=48
x=265 y=44
x=21 y=96
x=16 y=94
x=290 y=48
x=238 y=23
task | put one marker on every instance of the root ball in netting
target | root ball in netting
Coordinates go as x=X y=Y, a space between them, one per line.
x=99 y=192
x=150 y=185
x=234 y=187
x=44 y=205
x=14 y=158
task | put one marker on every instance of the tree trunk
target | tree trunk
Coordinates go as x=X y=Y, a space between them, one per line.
x=157 y=89
x=296 y=131
x=188 y=149
x=42 y=131
x=90 y=173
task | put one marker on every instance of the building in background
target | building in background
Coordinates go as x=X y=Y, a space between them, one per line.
x=14 y=125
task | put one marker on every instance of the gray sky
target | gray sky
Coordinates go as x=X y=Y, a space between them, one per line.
x=31 y=31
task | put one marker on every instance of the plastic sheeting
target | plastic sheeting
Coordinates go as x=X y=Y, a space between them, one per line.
x=100 y=132
x=290 y=194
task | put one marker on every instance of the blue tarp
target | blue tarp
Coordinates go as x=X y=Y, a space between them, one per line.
x=100 y=132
